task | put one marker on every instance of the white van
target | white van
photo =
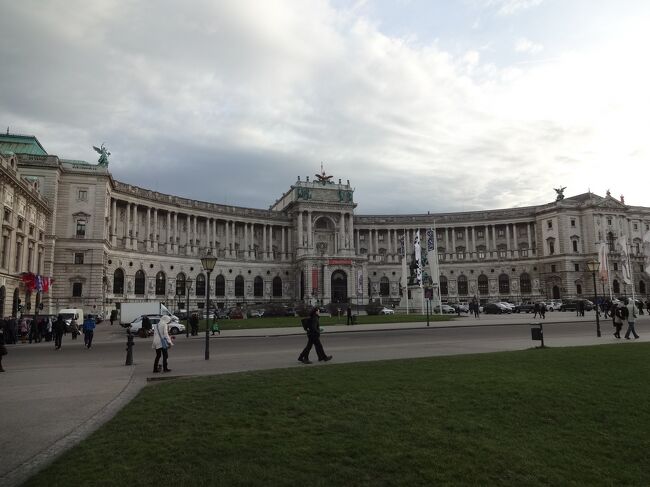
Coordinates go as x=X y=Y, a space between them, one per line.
x=69 y=313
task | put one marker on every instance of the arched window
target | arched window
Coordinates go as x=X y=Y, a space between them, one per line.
x=277 y=287
x=180 y=284
x=384 y=286
x=616 y=287
x=239 y=286
x=444 y=289
x=200 y=285
x=161 y=281
x=140 y=282
x=220 y=285
x=642 y=287
x=118 y=281
x=504 y=284
x=524 y=284
x=462 y=286
x=578 y=289
x=483 y=285
x=258 y=287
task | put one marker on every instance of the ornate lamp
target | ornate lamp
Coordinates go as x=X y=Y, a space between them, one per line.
x=593 y=266
x=208 y=261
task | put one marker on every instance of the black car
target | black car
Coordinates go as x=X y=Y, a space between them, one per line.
x=572 y=304
x=525 y=308
x=492 y=309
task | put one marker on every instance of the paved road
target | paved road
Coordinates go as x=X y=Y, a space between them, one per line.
x=51 y=399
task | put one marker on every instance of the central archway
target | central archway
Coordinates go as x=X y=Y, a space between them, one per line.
x=339 y=287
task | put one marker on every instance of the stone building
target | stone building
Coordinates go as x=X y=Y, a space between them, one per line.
x=108 y=242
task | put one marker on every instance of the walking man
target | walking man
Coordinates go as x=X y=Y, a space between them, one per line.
x=313 y=336
x=630 y=314
x=349 y=313
x=58 y=328
x=89 y=331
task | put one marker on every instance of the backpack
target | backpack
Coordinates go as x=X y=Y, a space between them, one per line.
x=306 y=322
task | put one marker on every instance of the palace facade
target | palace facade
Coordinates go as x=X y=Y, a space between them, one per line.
x=106 y=242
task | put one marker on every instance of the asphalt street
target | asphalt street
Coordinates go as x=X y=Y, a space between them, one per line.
x=53 y=398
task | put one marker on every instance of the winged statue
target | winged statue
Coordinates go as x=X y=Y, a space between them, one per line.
x=560 y=193
x=322 y=178
x=103 y=155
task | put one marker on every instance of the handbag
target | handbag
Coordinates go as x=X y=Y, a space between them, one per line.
x=164 y=341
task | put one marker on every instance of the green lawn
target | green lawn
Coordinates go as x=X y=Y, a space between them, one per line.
x=281 y=322
x=569 y=416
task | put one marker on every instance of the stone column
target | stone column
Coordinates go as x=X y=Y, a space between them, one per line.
x=389 y=237
x=468 y=248
x=515 y=243
x=127 y=240
x=376 y=234
x=283 y=249
x=310 y=238
x=155 y=231
x=271 y=256
x=136 y=227
x=530 y=241
x=226 y=238
x=350 y=231
x=196 y=233
x=264 y=249
x=358 y=240
x=508 y=250
x=148 y=236
x=114 y=220
x=494 y=237
x=300 y=237
x=474 y=240
x=245 y=240
x=169 y=234
x=446 y=230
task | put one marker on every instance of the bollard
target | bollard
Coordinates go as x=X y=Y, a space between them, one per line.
x=129 y=348
x=537 y=333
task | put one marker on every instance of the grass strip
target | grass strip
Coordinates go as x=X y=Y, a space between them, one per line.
x=566 y=416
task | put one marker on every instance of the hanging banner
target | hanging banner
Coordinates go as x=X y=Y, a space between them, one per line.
x=314 y=281
x=360 y=282
x=418 y=259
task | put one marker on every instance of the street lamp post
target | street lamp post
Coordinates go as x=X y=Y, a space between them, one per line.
x=208 y=262
x=188 y=289
x=593 y=266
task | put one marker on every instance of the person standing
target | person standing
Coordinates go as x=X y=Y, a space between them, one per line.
x=617 y=320
x=74 y=328
x=3 y=349
x=630 y=314
x=113 y=316
x=477 y=309
x=542 y=310
x=161 y=343
x=313 y=339
x=536 y=310
x=89 y=331
x=194 y=324
x=349 y=315
x=58 y=328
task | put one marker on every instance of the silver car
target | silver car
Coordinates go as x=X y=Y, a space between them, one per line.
x=175 y=327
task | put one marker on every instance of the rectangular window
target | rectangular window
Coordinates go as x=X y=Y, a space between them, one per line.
x=549 y=224
x=461 y=255
x=615 y=266
x=7 y=215
x=362 y=238
x=481 y=254
x=19 y=251
x=502 y=253
x=460 y=235
x=609 y=221
x=575 y=245
x=31 y=229
x=641 y=268
x=576 y=267
x=77 y=289
x=573 y=223
x=30 y=258
x=81 y=228
x=20 y=223
x=524 y=252
x=79 y=258
x=501 y=232
x=479 y=233
x=551 y=247
x=5 y=248
x=82 y=195
x=636 y=226
x=553 y=268
x=380 y=237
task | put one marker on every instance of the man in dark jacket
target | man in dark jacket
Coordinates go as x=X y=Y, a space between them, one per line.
x=194 y=324
x=58 y=328
x=313 y=339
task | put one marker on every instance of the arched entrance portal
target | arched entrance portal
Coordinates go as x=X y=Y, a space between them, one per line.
x=339 y=287
x=556 y=292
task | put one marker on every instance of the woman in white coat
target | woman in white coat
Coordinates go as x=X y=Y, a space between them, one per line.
x=161 y=342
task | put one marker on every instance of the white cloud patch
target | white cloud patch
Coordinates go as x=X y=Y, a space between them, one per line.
x=510 y=7
x=524 y=45
x=230 y=101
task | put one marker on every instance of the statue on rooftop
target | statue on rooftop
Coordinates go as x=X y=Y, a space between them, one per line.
x=103 y=155
x=560 y=193
x=322 y=178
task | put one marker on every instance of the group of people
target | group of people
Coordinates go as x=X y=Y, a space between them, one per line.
x=539 y=309
x=625 y=312
x=607 y=307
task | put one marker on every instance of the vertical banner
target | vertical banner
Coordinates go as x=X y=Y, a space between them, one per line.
x=602 y=260
x=417 y=251
x=625 y=258
x=433 y=256
x=360 y=282
x=314 y=282
x=646 y=250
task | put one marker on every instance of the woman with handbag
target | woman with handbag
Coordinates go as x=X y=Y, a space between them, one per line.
x=161 y=343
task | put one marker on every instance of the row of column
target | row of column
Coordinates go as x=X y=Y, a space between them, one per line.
x=344 y=232
x=232 y=243
x=450 y=236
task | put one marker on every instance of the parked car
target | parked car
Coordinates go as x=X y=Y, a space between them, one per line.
x=175 y=327
x=386 y=311
x=97 y=317
x=446 y=309
x=525 y=308
x=572 y=305
x=236 y=314
x=463 y=308
x=290 y=311
x=511 y=307
x=496 y=309
x=256 y=313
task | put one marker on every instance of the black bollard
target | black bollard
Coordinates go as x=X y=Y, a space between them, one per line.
x=129 y=348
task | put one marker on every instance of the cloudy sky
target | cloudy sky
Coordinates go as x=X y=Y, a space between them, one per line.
x=423 y=105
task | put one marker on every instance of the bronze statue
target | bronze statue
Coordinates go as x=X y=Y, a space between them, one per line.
x=103 y=155
x=560 y=193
